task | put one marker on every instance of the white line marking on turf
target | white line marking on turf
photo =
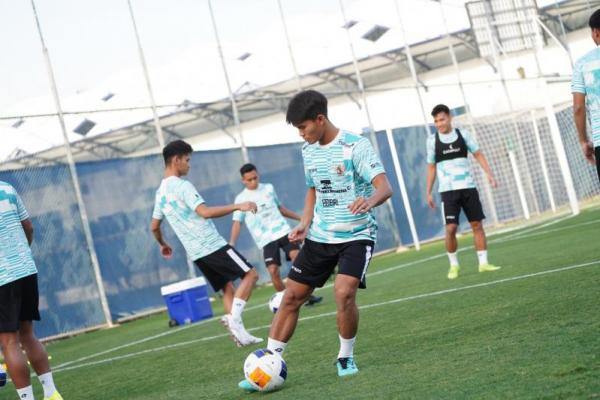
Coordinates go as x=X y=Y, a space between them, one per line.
x=367 y=306
x=254 y=307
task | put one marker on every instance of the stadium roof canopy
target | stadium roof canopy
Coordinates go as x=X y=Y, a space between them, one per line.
x=191 y=119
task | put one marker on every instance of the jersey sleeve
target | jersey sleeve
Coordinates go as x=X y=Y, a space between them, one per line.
x=472 y=144
x=190 y=196
x=157 y=212
x=238 y=215
x=307 y=178
x=23 y=214
x=577 y=81
x=430 y=148
x=274 y=194
x=366 y=161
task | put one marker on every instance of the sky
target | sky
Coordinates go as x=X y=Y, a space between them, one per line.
x=93 y=49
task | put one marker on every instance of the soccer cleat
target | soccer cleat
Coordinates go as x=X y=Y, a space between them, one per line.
x=312 y=300
x=55 y=396
x=345 y=366
x=488 y=268
x=238 y=333
x=248 y=339
x=453 y=271
x=247 y=386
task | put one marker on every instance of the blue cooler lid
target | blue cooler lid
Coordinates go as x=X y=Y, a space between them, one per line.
x=182 y=286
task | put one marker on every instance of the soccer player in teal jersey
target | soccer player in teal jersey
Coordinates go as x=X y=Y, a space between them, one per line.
x=19 y=299
x=585 y=87
x=447 y=157
x=267 y=226
x=178 y=201
x=345 y=180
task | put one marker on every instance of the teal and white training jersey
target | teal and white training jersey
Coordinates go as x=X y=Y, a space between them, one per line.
x=340 y=172
x=586 y=80
x=453 y=174
x=267 y=225
x=177 y=199
x=16 y=261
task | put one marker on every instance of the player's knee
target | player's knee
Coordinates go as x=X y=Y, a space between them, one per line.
x=451 y=229
x=344 y=295
x=476 y=226
x=251 y=275
x=273 y=270
x=7 y=340
x=293 y=299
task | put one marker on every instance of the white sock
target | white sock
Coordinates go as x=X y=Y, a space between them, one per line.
x=482 y=255
x=276 y=346
x=346 y=347
x=48 y=383
x=237 y=307
x=453 y=259
x=25 y=393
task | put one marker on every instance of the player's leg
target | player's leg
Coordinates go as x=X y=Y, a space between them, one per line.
x=354 y=261
x=451 y=213
x=38 y=357
x=291 y=252
x=16 y=363
x=272 y=257
x=228 y=293
x=474 y=212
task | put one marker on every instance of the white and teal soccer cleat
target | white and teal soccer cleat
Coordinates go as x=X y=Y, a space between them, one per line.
x=247 y=386
x=346 y=366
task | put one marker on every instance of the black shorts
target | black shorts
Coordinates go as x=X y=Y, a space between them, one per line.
x=271 y=252
x=19 y=301
x=597 y=154
x=316 y=261
x=467 y=199
x=222 y=266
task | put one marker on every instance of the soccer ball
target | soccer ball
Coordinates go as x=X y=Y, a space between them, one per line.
x=265 y=370
x=275 y=301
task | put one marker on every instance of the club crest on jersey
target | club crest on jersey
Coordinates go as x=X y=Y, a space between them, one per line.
x=340 y=169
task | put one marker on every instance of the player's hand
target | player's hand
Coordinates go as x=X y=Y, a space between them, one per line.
x=248 y=206
x=492 y=181
x=430 y=201
x=360 y=206
x=166 y=251
x=298 y=234
x=588 y=152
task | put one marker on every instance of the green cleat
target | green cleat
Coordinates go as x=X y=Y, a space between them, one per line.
x=488 y=268
x=55 y=396
x=247 y=386
x=345 y=366
x=453 y=271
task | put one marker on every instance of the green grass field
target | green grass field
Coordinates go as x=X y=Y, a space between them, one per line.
x=530 y=330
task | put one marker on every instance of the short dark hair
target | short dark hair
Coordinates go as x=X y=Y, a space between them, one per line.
x=176 y=148
x=307 y=104
x=440 y=108
x=247 y=168
x=595 y=20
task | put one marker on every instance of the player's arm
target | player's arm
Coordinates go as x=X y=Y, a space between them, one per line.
x=219 y=211
x=286 y=212
x=28 y=229
x=579 y=114
x=383 y=191
x=486 y=167
x=430 y=181
x=236 y=227
x=165 y=250
x=298 y=234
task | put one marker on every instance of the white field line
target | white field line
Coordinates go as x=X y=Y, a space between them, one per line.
x=384 y=271
x=364 y=307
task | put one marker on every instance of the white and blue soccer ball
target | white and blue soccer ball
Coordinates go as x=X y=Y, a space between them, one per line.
x=275 y=301
x=3 y=376
x=265 y=370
